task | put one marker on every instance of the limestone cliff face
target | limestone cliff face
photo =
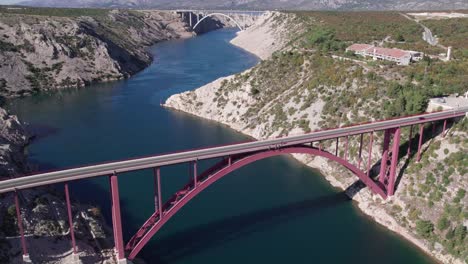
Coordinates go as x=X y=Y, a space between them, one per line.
x=44 y=53
x=13 y=140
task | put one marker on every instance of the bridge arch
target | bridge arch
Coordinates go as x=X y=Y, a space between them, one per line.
x=218 y=14
x=218 y=171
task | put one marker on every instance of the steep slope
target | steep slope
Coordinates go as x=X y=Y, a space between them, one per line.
x=311 y=83
x=71 y=49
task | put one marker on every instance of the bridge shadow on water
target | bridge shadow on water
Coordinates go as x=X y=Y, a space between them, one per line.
x=206 y=236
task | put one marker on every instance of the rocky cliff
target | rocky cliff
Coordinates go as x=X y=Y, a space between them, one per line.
x=300 y=86
x=13 y=140
x=40 y=52
x=44 y=212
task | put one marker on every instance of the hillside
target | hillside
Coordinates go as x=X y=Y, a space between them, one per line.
x=56 y=48
x=310 y=83
x=262 y=4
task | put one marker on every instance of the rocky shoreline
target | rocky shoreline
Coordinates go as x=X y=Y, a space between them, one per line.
x=46 y=53
x=44 y=213
x=263 y=39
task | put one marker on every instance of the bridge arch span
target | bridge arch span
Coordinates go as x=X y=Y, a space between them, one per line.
x=218 y=14
x=218 y=171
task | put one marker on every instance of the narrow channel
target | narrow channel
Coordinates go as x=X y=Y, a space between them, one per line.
x=273 y=211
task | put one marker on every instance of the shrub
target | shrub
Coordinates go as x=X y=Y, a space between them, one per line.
x=424 y=228
x=443 y=223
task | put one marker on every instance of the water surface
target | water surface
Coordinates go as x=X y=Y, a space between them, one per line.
x=273 y=211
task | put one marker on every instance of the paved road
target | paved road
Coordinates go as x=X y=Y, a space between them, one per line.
x=216 y=152
x=427 y=34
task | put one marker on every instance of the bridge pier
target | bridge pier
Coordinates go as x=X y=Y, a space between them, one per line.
x=383 y=163
x=336 y=146
x=195 y=174
x=371 y=142
x=387 y=175
x=360 y=151
x=394 y=164
x=26 y=258
x=421 y=132
x=157 y=191
x=409 y=140
x=70 y=219
x=346 y=148
x=444 y=128
x=117 y=220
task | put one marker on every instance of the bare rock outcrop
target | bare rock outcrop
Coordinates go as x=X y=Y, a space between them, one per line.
x=44 y=53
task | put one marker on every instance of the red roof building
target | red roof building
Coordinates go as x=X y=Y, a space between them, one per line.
x=399 y=56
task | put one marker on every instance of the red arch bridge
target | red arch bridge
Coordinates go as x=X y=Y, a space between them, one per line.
x=229 y=158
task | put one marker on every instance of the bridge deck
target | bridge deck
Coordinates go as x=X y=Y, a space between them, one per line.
x=216 y=152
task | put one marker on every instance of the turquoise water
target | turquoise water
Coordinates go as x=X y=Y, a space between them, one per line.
x=273 y=211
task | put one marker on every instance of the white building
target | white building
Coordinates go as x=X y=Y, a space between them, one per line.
x=401 y=57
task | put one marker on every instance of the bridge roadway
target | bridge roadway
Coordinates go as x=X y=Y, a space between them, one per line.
x=110 y=168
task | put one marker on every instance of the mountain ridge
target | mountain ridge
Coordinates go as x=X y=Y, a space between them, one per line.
x=260 y=4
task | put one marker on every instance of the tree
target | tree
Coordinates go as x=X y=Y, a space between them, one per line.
x=460 y=233
x=400 y=37
x=424 y=228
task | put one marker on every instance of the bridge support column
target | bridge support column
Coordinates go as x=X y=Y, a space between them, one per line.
x=394 y=164
x=26 y=258
x=346 y=148
x=336 y=147
x=421 y=135
x=70 y=218
x=158 y=195
x=387 y=175
x=444 y=128
x=360 y=152
x=371 y=142
x=409 y=140
x=195 y=174
x=383 y=163
x=117 y=220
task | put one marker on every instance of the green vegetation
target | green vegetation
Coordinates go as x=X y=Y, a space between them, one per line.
x=323 y=39
x=452 y=32
x=9 y=222
x=424 y=228
x=364 y=26
x=443 y=223
x=6 y=46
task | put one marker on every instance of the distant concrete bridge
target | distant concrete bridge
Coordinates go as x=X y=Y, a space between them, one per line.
x=196 y=17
